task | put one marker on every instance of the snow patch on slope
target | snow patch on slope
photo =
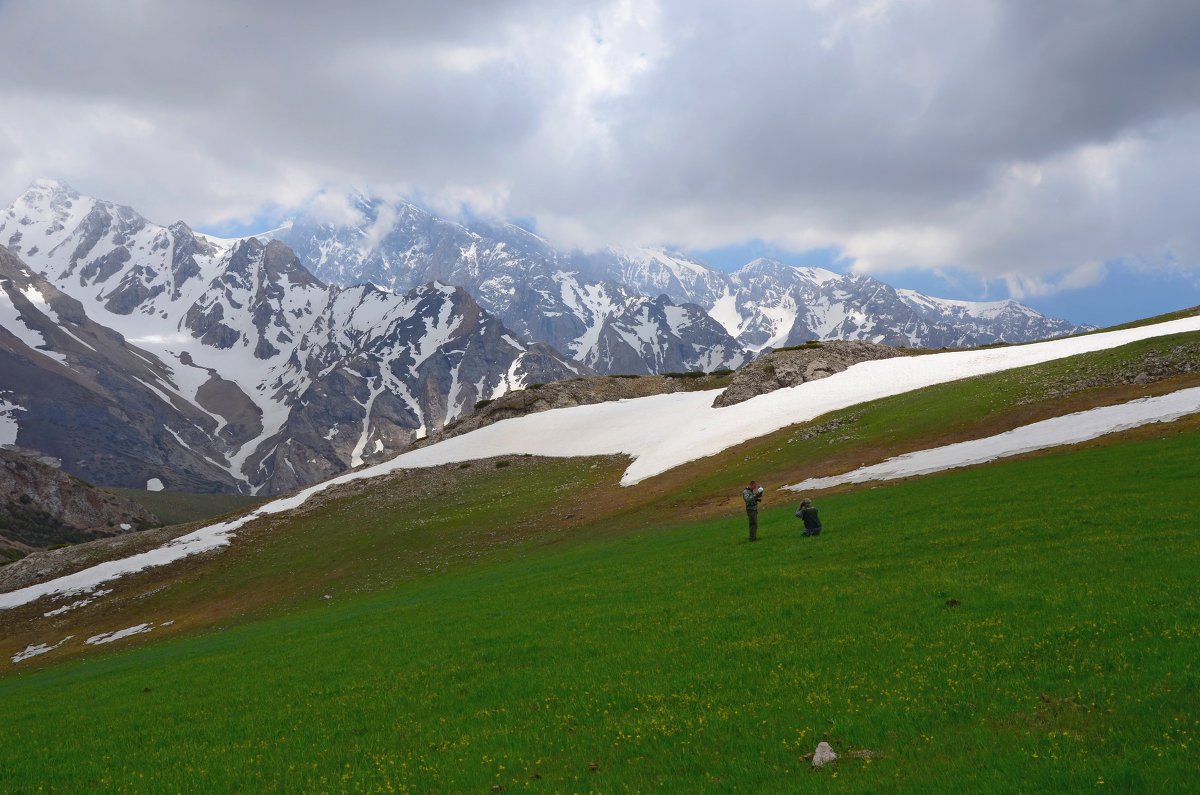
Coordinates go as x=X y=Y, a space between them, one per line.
x=8 y=421
x=1068 y=429
x=17 y=324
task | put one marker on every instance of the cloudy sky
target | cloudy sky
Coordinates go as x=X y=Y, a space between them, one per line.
x=1041 y=149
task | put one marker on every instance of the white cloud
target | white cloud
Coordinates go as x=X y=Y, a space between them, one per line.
x=334 y=207
x=1027 y=143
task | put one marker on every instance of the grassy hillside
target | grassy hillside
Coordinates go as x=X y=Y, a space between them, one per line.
x=176 y=507
x=527 y=624
x=1030 y=626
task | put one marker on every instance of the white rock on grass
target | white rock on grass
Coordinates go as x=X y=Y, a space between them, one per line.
x=823 y=755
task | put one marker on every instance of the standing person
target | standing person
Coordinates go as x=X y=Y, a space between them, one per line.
x=752 y=494
x=812 y=522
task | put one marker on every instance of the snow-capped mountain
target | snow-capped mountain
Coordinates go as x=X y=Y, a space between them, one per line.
x=576 y=302
x=768 y=304
x=573 y=302
x=73 y=389
x=251 y=373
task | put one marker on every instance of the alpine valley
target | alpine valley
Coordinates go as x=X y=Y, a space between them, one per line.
x=157 y=357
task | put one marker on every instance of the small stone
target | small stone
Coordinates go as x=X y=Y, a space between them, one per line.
x=823 y=755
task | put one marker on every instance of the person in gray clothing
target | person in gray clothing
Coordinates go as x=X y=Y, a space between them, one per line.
x=812 y=522
x=752 y=494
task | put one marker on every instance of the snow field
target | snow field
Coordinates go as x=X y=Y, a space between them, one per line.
x=664 y=431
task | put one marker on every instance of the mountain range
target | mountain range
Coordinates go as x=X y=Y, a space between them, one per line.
x=611 y=308
x=152 y=357
x=158 y=357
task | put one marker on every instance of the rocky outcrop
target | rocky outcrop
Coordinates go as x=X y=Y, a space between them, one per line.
x=41 y=506
x=1159 y=363
x=794 y=366
x=776 y=370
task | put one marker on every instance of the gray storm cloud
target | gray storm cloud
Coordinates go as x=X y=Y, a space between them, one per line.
x=1028 y=141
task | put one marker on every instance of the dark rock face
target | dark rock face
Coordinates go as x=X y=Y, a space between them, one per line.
x=428 y=366
x=787 y=368
x=94 y=401
x=41 y=506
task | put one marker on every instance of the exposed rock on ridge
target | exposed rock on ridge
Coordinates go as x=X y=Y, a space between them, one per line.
x=792 y=367
x=41 y=506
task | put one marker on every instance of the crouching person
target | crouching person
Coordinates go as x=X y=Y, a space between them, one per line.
x=812 y=522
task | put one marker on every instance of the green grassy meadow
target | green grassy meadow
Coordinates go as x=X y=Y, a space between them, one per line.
x=683 y=659
x=526 y=625
x=175 y=507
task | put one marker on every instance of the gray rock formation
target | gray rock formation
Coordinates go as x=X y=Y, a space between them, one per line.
x=795 y=366
x=823 y=755
x=41 y=506
x=82 y=394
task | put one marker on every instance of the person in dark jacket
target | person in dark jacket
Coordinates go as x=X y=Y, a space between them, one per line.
x=812 y=522
x=752 y=494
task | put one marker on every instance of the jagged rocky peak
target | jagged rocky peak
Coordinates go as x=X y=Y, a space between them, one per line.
x=269 y=263
x=767 y=266
x=48 y=193
x=580 y=302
